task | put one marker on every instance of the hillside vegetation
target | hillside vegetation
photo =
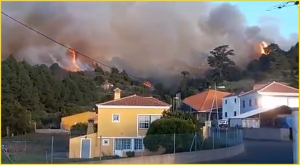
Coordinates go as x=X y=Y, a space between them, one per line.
x=40 y=95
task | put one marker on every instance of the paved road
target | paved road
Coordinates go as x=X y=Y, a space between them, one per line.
x=260 y=152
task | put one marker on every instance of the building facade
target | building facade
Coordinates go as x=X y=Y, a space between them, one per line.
x=249 y=102
x=68 y=121
x=255 y=104
x=231 y=106
x=122 y=125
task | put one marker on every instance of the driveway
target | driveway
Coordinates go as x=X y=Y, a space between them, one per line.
x=257 y=152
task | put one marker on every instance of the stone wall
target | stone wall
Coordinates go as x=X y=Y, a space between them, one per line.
x=179 y=158
x=278 y=134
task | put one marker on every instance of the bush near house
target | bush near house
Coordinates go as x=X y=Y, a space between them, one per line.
x=183 y=116
x=172 y=126
x=179 y=132
x=78 y=129
x=130 y=154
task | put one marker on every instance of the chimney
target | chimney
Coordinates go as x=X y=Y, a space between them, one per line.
x=117 y=94
x=90 y=126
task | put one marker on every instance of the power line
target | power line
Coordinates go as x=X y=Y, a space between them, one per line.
x=63 y=45
x=284 y=5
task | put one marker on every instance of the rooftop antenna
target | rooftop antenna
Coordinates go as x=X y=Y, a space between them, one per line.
x=284 y=5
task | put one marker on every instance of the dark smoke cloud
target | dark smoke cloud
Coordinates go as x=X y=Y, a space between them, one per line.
x=144 y=38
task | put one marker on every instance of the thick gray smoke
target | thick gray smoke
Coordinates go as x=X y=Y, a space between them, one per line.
x=144 y=38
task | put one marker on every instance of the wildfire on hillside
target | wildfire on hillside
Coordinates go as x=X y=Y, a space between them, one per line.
x=262 y=46
x=74 y=67
x=147 y=84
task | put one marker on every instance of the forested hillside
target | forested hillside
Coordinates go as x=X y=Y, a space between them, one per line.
x=40 y=95
x=275 y=65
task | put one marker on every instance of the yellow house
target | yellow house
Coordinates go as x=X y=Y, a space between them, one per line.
x=68 y=121
x=122 y=124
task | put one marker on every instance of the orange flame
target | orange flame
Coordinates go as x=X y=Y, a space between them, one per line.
x=262 y=46
x=76 y=68
x=147 y=84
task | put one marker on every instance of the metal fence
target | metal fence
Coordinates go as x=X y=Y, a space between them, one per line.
x=48 y=149
x=35 y=148
x=176 y=143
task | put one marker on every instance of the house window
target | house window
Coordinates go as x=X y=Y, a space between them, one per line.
x=123 y=144
x=250 y=102
x=146 y=120
x=225 y=101
x=116 y=118
x=235 y=100
x=244 y=104
x=153 y=118
x=255 y=102
x=138 y=144
x=105 y=142
x=225 y=114
x=234 y=113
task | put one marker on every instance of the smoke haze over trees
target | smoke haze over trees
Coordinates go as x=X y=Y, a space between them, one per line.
x=42 y=95
x=145 y=38
x=159 y=40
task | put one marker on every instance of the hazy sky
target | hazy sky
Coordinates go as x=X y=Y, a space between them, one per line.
x=286 y=18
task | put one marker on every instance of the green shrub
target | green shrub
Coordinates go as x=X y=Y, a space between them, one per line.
x=130 y=154
x=161 y=134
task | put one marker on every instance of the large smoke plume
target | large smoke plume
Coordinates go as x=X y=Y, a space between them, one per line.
x=144 y=38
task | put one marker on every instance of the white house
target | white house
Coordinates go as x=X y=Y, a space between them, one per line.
x=231 y=106
x=265 y=98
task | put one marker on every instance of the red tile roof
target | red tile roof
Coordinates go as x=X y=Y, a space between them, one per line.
x=202 y=102
x=234 y=94
x=273 y=87
x=279 y=88
x=135 y=100
x=257 y=86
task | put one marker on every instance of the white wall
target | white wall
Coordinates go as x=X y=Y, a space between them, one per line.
x=229 y=106
x=277 y=101
x=296 y=136
x=293 y=102
x=246 y=99
x=277 y=134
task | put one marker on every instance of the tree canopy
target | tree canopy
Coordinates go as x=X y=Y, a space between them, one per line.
x=38 y=96
x=273 y=65
x=172 y=126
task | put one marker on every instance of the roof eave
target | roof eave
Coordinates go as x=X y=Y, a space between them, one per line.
x=208 y=110
x=130 y=107
x=278 y=94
